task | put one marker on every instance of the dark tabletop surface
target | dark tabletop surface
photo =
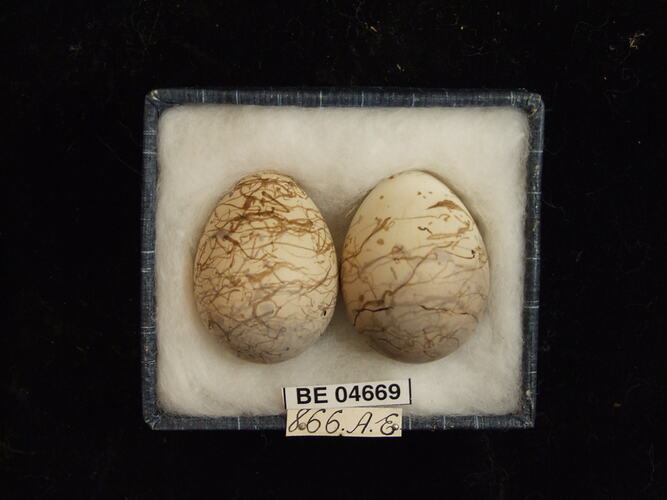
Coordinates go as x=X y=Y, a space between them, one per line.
x=75 y=74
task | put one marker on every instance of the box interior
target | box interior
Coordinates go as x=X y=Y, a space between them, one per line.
x=337 y=155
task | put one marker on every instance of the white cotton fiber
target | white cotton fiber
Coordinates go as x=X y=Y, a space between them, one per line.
x=337 y=155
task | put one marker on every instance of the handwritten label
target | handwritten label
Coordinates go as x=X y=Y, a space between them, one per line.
x=383 y=393
x=346 y=422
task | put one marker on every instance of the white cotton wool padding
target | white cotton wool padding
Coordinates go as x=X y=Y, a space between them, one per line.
x=337 y=155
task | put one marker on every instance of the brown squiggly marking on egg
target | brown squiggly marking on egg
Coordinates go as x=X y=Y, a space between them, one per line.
x=265 y=273
x=420 y=296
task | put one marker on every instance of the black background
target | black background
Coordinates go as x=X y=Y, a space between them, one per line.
x=75 y=76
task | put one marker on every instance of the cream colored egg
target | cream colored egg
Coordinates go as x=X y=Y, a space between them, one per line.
x=414 y=273
x=265 y=274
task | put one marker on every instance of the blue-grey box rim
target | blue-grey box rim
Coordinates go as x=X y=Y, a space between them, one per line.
x=158 y=101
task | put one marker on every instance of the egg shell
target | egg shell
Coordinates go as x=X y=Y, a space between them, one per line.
x=414 y=271
x=265 y=273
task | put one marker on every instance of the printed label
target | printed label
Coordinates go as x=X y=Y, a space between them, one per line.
x=383 y=393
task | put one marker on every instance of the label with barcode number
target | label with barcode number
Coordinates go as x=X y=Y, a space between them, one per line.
x=382 y=393
x=345 y=422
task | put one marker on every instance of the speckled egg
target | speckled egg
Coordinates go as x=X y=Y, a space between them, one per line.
x=265 y=272
x=415 y=272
